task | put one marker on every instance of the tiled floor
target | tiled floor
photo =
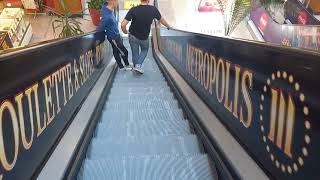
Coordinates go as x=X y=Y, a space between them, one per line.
x=42 y=27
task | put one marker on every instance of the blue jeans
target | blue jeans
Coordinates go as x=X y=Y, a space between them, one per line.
x=139 y=49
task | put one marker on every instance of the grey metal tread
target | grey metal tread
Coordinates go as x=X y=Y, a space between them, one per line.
x=142 y=104
x=115 y=96
x=148 y=89
x=195 y=167
x=153 y=145
x=160 y=84
x=117 y=128
x=143 y=115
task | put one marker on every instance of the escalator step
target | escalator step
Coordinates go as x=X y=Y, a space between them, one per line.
x=156 y=145
x=115 y=96
x=146 y=104
x=196 y=167
x=160 y=84
x=150 y=89
x=118 y=128
x=137 y=78
x=143 y=115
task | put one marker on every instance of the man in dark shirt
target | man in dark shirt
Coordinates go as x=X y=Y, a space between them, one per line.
x=142 y=17
x=109 y=25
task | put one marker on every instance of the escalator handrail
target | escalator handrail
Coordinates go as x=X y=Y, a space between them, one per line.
x=37 y=46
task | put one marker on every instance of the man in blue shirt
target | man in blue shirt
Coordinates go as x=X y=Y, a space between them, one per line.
x=109 y=25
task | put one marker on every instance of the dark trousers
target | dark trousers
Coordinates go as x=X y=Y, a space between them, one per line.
x=119 y=51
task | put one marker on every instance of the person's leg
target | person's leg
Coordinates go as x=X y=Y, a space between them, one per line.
x=116 y=54
x=123 y=50
x=144 y=45
x=134 y=48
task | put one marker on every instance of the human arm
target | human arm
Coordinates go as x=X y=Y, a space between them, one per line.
x=165 y=23
x=125 y=21
x=124 y=24
x=161 y=19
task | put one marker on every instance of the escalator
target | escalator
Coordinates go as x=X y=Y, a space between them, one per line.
x=143 y=134
x=205 y=108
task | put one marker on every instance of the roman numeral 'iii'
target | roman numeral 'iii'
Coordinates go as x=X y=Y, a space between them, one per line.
x=282 y=119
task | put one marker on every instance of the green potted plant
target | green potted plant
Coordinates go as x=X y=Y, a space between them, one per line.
x=94 y=9
x=275 y=9
x=65 y=22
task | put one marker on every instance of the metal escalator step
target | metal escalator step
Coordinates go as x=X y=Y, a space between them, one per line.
x=195 y=167
x=154 y=145
x=119 y=128
x=146 y=104
x=139 y=96
x=135 y=89
x=134 y=77
x=160 y=84
x=143 y=115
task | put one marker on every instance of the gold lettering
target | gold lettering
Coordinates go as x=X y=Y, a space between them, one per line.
x=220 y=70
x=226 y=99
x=70 y=86
x=76 y=76
x=48 y=98
x=280 y=121
x=56 y=78
x=213 y=72
x=18 y=100
x=207 y=69
x=200 y=67
x=6 y=105
x=63 y=75
x=247 y=76
x=236 y=91
x=36 y=100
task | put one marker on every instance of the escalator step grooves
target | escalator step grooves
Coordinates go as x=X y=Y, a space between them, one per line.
x=143 y=135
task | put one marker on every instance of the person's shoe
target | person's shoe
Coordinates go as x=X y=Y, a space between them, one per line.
x=138 y=69
x=128 y=68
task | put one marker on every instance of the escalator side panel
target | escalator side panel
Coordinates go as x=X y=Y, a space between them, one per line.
x=254 y=89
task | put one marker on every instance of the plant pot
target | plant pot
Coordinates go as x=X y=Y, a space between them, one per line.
x=95 y=16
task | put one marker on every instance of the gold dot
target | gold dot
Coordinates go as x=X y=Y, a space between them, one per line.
x=262 y=97
x=291 y=79
x=272 y=157
x=261 y=118
x=277 y=163
x=305 y=151
x=300 y=160
x=278 y=74
x=289 y=169
x=283 y=168
x=265 y=88
x=297 y=86
x=284 y=74
x=307 y=139
x=268 y=149
x=261 y=107
x=264 y=139
x=262 y=128
x=302 y=97
x=273 y=77
x=307 y=124
x=268 y=82
x=295 y=167
x=306 y=110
